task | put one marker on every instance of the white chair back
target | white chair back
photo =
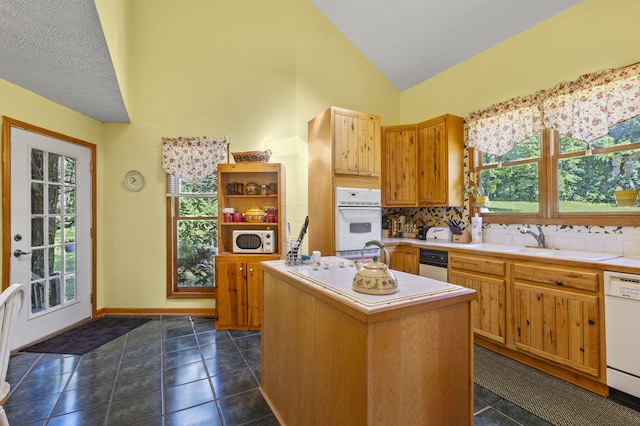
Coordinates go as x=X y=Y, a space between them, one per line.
x=11 y=301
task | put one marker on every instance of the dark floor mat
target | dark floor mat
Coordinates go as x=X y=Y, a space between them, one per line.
x=87 y=337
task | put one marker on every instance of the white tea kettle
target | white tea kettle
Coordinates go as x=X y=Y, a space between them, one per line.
x=374 y=277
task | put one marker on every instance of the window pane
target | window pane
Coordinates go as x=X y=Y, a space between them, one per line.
x=621 y=134
x=197 y=245
x=512 y=189
x=525 y=150
x=586 y=183
x=197 y=206
x=208 y=185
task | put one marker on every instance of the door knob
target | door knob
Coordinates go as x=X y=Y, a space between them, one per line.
x=19 y=253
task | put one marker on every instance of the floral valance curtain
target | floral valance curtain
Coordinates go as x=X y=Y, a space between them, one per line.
x=194 y=158
x=583 y=109
x=499 y=128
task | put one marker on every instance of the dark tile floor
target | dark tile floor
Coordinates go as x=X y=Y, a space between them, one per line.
x=169 y=371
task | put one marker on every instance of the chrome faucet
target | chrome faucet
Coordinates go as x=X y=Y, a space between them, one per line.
x=539 y=236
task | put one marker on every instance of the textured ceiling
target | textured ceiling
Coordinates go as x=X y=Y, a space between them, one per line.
x=56 y=48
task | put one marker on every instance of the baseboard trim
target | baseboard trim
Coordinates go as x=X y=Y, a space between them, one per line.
x=204 y=312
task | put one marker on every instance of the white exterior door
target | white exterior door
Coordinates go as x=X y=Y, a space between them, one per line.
x=51 y=219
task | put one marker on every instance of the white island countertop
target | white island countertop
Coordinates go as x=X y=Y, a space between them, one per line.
x=335 y=276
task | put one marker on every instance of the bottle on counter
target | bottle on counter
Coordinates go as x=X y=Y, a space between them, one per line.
x=476 y=229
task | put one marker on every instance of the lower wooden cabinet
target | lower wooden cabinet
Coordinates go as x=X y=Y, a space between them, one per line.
x=239 y=282
x=405 y=259
x=549 y=316
x=487 y=278
x=556 y=318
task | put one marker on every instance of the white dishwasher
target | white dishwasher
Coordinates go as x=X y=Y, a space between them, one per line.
x=622 y=319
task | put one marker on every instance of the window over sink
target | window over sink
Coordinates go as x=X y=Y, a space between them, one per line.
x=552 y=178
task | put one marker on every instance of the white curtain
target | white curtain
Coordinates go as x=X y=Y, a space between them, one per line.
x=193 y=158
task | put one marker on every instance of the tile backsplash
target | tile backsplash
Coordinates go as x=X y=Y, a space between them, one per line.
x=601 y=239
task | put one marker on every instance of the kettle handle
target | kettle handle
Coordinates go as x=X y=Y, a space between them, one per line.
x=379 y=245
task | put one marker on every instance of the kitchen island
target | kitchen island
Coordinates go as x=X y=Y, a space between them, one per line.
x=331 y=355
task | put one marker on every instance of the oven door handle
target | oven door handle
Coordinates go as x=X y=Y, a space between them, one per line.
x=359 y=208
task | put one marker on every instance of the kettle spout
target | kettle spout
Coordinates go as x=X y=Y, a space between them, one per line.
x=358 y=265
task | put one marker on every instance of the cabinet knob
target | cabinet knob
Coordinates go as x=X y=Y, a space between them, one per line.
x=241 y=268
x=250 y=269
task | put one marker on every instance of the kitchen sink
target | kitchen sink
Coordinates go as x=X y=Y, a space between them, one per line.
x=564 y=254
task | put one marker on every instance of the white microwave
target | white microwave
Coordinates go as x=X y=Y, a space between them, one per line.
x=254 y=241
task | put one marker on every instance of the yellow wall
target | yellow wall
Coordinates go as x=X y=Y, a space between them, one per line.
x=115 y=17
x=588 y=37
x=253 y=71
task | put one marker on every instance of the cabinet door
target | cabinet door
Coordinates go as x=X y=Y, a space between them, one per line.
x=356 y=139
x=405 y=259
x=489 y=309
x=399 y=167
x=559 y=325
x=254 y=295
x=370 y=146
x=432 y=164
x=345 y=139
x=231 y=303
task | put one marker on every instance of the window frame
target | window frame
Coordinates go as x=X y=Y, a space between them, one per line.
x=549 y=209
x=172 y=218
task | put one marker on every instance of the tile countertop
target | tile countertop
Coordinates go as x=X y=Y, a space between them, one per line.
x=335 y=279
x=605 y=261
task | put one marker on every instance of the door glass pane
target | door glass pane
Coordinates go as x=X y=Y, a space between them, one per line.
x=69 y=200
x=54 y=167
x=70 y=229
x=55 y=260
x=69 y=258
x=37 y=297
x=37 y=198
x=37 y=264
x=54 y=292
x=54 y=229
x=69 y=171
x=37 y=165
x=54 y=199
x=37 y=231
x=69 y=288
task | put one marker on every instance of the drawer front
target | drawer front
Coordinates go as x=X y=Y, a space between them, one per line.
x=558 y=276
x=477 y=264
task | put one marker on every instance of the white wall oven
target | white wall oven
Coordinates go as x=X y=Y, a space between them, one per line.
x=358 y=220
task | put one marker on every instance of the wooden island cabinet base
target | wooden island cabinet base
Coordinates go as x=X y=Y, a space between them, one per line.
x=327 y=363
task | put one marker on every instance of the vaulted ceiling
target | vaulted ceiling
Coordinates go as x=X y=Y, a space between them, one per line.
x=57 y=48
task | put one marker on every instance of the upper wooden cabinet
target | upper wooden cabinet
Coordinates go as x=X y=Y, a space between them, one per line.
x=350 y=139
x=399 y=165
x=423 y=163
x=356 y=143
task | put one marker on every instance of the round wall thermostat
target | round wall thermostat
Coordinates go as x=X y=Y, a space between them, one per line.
x=134 y=180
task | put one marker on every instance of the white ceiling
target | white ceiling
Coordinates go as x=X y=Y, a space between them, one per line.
x=57 y=48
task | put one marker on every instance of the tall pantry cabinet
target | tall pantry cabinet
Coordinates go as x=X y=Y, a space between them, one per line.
x=238 y=275
x=344 y=151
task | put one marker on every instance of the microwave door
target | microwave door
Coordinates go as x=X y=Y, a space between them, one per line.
x=356 y=226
